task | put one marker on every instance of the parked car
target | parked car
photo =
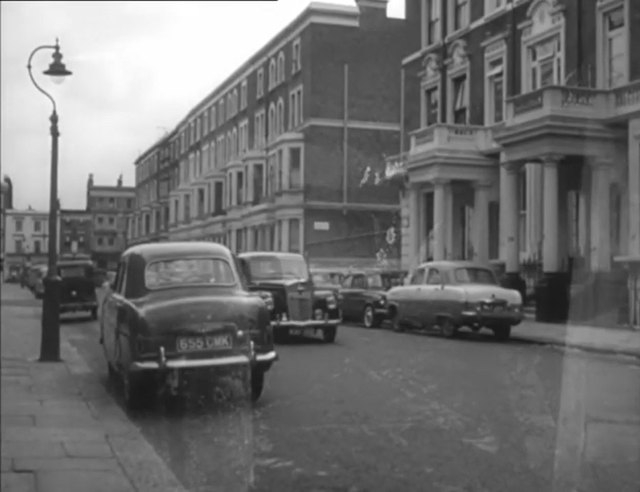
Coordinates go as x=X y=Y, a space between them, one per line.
x=298 y=307
x=32 y=274
x=363 y=295
x=327 y=278
x=180 y=311
x=78 y=290
x=447 y=295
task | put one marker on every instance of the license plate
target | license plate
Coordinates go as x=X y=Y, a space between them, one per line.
x=295 y=332
x=208 y=342
x=498 y=309
x=319 y=315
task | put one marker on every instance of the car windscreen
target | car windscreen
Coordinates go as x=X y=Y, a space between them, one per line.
x=388 y=280
x=325 y=278
x=471 y=275
x=74 y=271
x=277 y=267
x=188 y=271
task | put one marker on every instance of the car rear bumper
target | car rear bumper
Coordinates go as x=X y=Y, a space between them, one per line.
x=309 y=324
x=232 y=360
x=78 y=306
x=475 y=318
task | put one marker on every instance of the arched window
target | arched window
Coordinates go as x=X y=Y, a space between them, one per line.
x=235 y=141
x=280 y=117
x=280 y=68
x=235 y=101
x=271 y=120
x=272 y=73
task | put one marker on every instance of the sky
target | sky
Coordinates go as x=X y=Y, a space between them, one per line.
x=138 y=68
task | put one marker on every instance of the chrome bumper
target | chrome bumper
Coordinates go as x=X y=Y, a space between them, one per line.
x=201 y=363
x=311 y=323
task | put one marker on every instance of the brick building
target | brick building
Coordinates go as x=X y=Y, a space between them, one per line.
x=75 y=232
x=109 y=207
x=286 y=154
x=523 y=120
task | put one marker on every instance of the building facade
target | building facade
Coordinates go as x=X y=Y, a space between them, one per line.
x=26 y=237
x=75 y=232
x=523 y=147
x=6 y=203
x=108 y=208
x=287 y=153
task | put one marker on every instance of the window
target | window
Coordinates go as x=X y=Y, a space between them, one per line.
x=432 y=22
x=258 y=183
x=187 y=207
x=221 y=112
x=418 y=277
x=205 y=122
x=234 y=141
x=280 y=117
x=218 y=197
x=239 y=188
x=37 y=247
x=296 y=64
x=112 y=240
x=431 y=110
x=272 y=73
x=239 y=237
x=234 y=101
x=295 y=108
x=271 y=122
x=295 y=165
x=491 y=6
x=495 y=90
x=279 y=170
x=212 y=116
x=18 y=225
x=280 y=67
x=545 y=63
x=112 y=220
x=244 y=136
x=259 y=130
x=243 y=94
x=474 y=275
x=267 y=266
x=294 y=235
x=434 y=277
x=100 y=220
x=460 y=14
x=37 y=226
x=100 y=241
x=615 y=48
x=260 y=83
x=460 y=100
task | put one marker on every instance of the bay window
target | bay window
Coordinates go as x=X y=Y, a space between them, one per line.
x=615 y=52
x=545 y=63
x=495 y=91
x=431 y=22
x=460 y=100
x=432 y=104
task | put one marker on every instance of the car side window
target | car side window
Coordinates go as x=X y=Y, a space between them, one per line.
x=418 y=277
x=346 y=283
x=119 y=280
x=434 y=277
x=359 y=282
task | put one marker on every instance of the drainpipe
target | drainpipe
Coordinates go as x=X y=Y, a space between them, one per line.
x=443 y=68
x=402 y=110
x=345 y=141
x=513 y=58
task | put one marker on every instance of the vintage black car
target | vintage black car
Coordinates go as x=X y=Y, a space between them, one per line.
x=297 y=306
x=77 y=290
x=363 y=295
x=180 y=312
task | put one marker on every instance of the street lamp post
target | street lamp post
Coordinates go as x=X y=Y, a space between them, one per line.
x=50 y=338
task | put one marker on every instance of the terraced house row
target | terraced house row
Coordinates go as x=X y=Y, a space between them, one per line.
x=288 y=153
x=522 y=147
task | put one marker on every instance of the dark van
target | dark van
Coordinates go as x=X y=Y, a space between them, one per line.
x=78 y=289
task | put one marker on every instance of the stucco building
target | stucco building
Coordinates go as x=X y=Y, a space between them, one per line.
x=287 y=153
x=522 y=147
x=75 y=232
x=26 y=237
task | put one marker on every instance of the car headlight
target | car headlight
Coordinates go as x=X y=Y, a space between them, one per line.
x=267 y=297
x=332 y=302
x=382 y=301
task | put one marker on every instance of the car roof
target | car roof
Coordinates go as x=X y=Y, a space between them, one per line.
x=64 y=263
x=153 y=251
x=451 y=264
x=279 y=254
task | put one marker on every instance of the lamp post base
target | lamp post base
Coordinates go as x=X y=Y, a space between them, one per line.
x=50 y=337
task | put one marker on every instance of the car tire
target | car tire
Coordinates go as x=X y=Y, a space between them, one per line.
x=94 y=314
x=136 y=390
x=448 y=328
x=395 y=323
x=257 y=384
x=369 y=318
x=281 y=335
x=329 y=334
x=502 y=333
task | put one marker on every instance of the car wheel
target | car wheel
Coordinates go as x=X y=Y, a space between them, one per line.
x=448 y=328
x=136 y=390
x=395 y=322
x=94 y=314
x=369 y=318
x=257 y=383
x=329 y=334
x=502 y=332
x=281 y=335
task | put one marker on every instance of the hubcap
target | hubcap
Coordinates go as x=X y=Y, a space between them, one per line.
x=368 y=317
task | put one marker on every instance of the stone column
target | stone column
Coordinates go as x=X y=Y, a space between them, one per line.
x=414 y=225
x=250 y=246
x=510 y=215
x=550 y=244
x=634 y=187
x=600 y=253
x=481 y=221
x=535 y=199
x=285 y=235
x=439 y=219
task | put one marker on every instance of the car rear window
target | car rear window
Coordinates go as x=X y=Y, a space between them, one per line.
x=190 y=271
x=274 y=267
x=73 y=271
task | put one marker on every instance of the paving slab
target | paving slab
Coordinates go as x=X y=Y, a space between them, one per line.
x=90 y=480
x=52 y=464
x=612 y=443
x=32 y=449
x=52 y=434
x=18 y=482
x=88 y=449
x=6 y=464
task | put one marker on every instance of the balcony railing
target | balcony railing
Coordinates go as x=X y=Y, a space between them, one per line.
x=577 y=102
x=459 y=137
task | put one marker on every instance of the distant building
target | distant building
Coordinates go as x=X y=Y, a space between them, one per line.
x=6 y=203
x=287 y=153
x=75 y=232
x=26 y=236
x=108 y=207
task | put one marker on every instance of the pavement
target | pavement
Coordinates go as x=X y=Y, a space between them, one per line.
x=60 y=430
